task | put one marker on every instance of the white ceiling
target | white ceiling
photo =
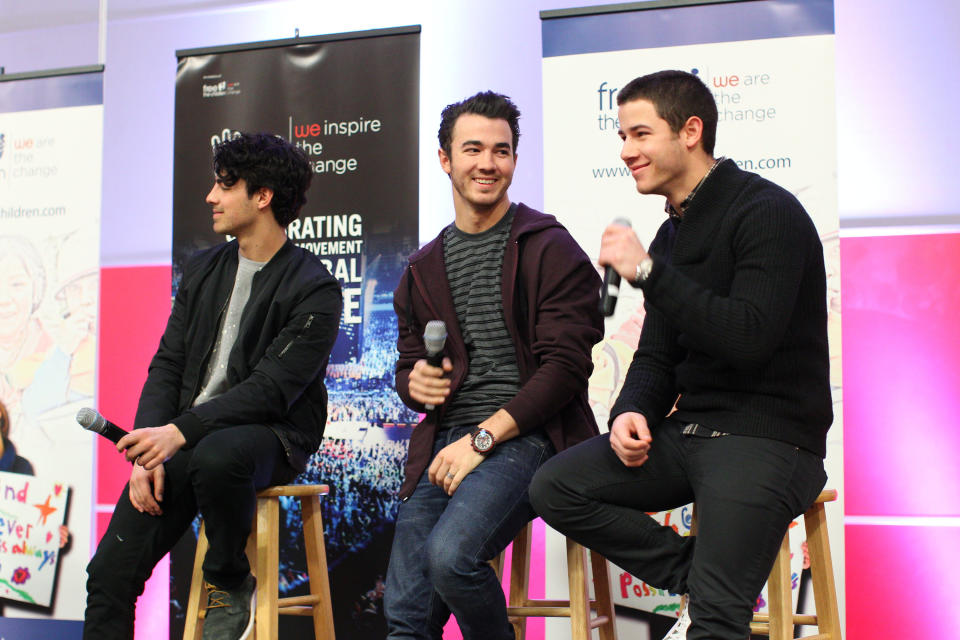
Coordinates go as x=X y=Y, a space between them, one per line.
x=25 y=15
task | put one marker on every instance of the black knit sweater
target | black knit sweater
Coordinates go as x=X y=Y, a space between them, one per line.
x=736 y=317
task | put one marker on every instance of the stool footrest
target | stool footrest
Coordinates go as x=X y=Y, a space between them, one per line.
x=803 y=619
x=294 y=611
x=599 y=621
x=298 y=601
x=538 y=612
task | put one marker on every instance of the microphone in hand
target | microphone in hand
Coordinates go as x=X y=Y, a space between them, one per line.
x=92 y=421
x=434 y=338
x=611 y=281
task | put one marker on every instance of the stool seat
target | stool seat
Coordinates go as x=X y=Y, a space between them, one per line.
x=263 y=551
x=585 y=613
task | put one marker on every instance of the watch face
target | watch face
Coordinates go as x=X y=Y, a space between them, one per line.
x=483 y=441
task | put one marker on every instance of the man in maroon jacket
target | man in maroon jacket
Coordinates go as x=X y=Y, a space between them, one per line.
x=520 y=302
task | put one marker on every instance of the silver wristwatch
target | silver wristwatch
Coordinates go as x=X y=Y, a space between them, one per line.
x=643 y=271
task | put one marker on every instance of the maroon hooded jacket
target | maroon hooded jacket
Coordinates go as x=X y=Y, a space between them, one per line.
x=550 y=296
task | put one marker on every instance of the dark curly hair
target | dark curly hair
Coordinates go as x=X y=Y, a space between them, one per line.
x=266 y=160
x=486 y=103
x=677 y=95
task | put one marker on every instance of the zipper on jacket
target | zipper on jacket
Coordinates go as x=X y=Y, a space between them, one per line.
x=299 y=335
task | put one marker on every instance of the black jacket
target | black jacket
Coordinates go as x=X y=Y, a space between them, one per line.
x=276 y=367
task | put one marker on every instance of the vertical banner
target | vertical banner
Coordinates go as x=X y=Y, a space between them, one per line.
x=770 y=67
x=351 y=102
x=50 y=174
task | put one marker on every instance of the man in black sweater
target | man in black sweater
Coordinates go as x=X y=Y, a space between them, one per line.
x=727 y=400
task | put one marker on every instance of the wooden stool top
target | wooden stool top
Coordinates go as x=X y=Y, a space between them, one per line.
x=827 y=495
x=295 y=490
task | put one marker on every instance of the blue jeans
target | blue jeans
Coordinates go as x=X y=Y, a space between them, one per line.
x=443 y=544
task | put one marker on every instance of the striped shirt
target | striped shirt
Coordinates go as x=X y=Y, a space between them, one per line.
x=474 y=265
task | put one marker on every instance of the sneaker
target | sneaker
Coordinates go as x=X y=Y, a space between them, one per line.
x=679 y=630
x=230 y=613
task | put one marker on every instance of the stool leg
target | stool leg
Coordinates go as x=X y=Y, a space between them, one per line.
x=520 y=578
x=779 y=594
x=196 y=601
x=579 y=594
x=601 y=591
x=821 y=572
x=317 y=567
x=268 y=557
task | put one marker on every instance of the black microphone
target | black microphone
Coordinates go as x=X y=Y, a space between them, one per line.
x=611 y=281
x=92 y=421
x=434 y=337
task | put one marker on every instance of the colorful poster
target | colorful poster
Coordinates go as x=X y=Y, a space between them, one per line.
x=32 y=512
x=770 y=68
x=50 y=176
x=343 y=99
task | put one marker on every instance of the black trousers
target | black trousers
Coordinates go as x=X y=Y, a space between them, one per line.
x=747 y=492
x=219 y=478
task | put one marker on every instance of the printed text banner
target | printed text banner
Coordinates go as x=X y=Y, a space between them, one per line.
x=770 y=68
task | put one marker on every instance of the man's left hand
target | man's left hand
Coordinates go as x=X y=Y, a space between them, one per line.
x=454 y=463
x=152 y=446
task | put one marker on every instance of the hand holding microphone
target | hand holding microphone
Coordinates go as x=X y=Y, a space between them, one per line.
x=623 y=255
x=91 y=420
x=149 y=447
x=427 y=387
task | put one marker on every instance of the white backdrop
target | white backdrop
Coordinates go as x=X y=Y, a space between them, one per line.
x=776 y=104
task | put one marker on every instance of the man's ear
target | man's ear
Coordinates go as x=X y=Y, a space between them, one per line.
x=692 y=132
x=444 y=160
x=263 y=196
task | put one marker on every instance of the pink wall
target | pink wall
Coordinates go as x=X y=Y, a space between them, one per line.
x=134 y=305
x=901 y=391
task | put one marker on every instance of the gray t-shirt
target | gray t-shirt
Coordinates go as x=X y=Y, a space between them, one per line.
x=215 y=379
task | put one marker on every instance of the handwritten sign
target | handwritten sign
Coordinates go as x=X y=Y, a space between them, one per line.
x=31 y=512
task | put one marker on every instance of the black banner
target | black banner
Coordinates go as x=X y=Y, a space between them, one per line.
x=351 y=102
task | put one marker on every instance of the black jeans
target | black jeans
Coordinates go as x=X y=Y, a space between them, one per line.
x=219 y=478
x=747 y=492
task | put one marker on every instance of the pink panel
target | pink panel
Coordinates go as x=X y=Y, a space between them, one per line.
x=896 y=582
x=535 y=626
x=901 y=374
x=134 y=306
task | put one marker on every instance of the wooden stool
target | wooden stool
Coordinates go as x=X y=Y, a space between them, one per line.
x=263 y=550
x=579 y=608
x=779 y=623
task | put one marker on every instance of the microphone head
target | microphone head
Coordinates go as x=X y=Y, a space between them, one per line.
x=623 y=222
x=88 y=418
x=434 y=336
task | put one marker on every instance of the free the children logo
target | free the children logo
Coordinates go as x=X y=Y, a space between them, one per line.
x=214 y=86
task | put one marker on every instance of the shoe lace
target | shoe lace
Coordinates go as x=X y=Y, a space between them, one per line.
x=216 y=597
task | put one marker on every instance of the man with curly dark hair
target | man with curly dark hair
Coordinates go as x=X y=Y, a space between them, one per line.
x=234 y=398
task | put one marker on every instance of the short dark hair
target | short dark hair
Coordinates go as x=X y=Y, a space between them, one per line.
x=676 y=95
x=266 y=160
x=486 y=103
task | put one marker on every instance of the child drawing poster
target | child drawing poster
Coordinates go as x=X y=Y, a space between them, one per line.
x=32 y=510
